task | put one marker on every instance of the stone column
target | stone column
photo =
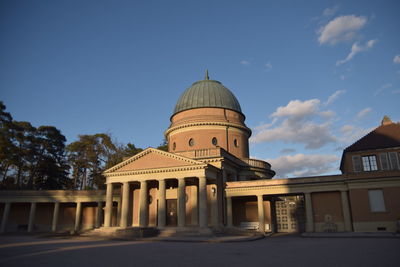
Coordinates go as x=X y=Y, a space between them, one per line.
x=143 y=204
x=118 y=219
x=99 y=213
x=162 y=203
x=214 y=206
x=195 y=206
x=4 y=220
x=109 y=205
x=274 y=227
x=55 y=216
x=78 y=216
x=261 y=216
x=125 y=205
x=203 y=216
x=346 y=211
x=32 y=217
x=181 y=202
x=224 y=175
x=309 y=213
x=229 y=211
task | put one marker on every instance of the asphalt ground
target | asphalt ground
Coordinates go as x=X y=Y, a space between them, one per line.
x=271 y=251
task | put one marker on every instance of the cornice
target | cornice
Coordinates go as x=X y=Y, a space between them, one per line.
x=158 y=170
x=193 y=124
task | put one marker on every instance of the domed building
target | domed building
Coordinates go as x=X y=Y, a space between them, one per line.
x=208 y=146
x=206 y=181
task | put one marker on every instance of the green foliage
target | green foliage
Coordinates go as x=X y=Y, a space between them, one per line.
x=31 y=158
x=164 y=145
x=88 y=157
x=37 y=158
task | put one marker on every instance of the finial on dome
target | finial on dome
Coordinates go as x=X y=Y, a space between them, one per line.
x=206 y=78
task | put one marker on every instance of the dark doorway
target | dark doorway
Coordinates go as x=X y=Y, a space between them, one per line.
x=172 y=217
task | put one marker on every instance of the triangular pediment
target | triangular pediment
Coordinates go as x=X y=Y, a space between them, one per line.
x=152 y=158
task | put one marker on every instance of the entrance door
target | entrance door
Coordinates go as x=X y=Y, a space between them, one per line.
x=172 y=215
x=290 y=214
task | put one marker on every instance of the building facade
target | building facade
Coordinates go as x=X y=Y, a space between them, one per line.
x=207 y=180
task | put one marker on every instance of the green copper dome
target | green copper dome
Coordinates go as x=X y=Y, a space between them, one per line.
x=207 y=93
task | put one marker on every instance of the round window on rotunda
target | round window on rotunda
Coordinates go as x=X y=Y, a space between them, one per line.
x=235 y=142
x=191 y=142
x=214 y=141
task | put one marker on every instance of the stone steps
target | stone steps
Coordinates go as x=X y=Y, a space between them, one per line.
x=124 y=233
x=185 y=232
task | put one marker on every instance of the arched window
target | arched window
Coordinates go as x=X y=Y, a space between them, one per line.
x=191 y=142
x=174 y=146
x=235 y=142
x=214 y=141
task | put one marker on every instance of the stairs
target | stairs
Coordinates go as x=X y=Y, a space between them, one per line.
x=122 y=233
x=185 y=232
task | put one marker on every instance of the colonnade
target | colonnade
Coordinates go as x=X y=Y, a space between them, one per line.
x=55 y=216
x=308 y=210
x=161 y=209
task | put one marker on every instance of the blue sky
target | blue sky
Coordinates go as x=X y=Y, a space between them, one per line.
x=311 y=76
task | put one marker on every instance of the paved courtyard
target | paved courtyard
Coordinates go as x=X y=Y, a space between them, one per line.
x=274 y=251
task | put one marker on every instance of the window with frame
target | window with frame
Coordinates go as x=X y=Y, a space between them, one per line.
x=389 y=161
x=376 y=200
x=369 y=163
x=394 y=160
x=356 y=163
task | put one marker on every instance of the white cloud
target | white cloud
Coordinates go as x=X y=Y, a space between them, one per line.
x=355 y=49
x=351 y=133
x=347 y=129
x=328 y=12
x=296 y=125
x=327 y=114
x=396 y=92
x=303 y=165
x=245 y=62
x=334 y=96
x=341 y=29
x=311 y=134
x=382 y=88
x=287 y=150
x=297 y=109
x=268 y=66
x=396 y=59
x=363 y=113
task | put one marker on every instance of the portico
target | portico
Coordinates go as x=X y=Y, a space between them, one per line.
x=145 y=191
